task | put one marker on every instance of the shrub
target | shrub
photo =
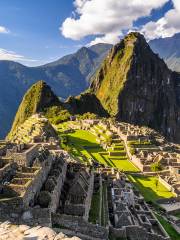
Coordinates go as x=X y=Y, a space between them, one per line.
x=87 y=115
x=132 y=151
x=50 y=185
x=156 y=167
x=44 y=199
x=56 y=115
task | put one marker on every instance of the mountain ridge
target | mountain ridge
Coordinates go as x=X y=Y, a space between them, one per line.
x=169 y=49
x=135 y=85
x=40 y=98
x=64 y=78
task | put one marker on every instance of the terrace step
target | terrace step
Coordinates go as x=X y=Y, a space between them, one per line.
x=117 y=148
x=117 y=153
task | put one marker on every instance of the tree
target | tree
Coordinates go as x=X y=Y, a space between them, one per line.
x=108 y=141
x=156 y=167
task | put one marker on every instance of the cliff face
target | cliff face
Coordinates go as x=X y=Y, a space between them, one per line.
x=136 y=86
x=38 y=97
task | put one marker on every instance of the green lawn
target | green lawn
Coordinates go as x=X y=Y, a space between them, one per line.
x=94 y=210
x=147 y=186
x=124 y=165
x=86 y=144
x=83 y=138
x=169 y=229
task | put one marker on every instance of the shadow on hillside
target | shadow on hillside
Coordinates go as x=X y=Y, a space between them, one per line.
x=82 y=142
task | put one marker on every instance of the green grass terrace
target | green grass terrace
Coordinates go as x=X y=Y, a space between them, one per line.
x=150 y=188
x=84 y=147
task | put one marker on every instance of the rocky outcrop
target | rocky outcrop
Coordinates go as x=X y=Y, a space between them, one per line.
x=21 y=232
x=135 y=85
x=86 y=102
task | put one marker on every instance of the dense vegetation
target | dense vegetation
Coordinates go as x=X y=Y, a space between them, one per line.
x=111 y=77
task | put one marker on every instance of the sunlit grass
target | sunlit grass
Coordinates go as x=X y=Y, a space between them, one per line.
x=147 y=186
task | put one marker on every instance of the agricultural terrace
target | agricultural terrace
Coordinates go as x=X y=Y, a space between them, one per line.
x=84 y=146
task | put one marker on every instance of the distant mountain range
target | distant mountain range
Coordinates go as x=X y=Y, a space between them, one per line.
x=69 y=75
x=168 y=49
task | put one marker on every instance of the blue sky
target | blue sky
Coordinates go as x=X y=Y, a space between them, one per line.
x=30 y=29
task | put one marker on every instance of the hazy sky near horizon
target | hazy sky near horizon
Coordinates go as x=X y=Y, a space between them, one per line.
x=34 y=32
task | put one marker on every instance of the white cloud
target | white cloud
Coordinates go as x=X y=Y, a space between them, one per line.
x=13 y=56
x=166 y=26
x=4 y=30
x=107 y=38
x=107 y=18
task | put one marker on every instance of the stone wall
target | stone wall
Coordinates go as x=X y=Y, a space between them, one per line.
x=74 y=209
x=167 y=185
x=9 y=168
x=30 y=216
x=55 y=195
x=30 y=189
x=89 y=197
x=36 y=216
x=77 y=224
x=26 y=157
x=135 y=233
x=38 y=181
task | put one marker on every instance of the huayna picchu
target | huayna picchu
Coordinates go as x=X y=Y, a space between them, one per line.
x=135 y=85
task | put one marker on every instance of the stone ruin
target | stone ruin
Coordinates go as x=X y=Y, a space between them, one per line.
x=40 y=184
x=171 y=179
x=130 y=217
x=35 y=129
x=79 y=187
x=150 y=147
x=27 y=172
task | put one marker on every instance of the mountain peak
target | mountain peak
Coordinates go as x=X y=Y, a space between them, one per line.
x=135 y=85
x=36 y=99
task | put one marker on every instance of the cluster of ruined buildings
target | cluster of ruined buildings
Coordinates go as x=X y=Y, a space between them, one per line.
x=41 y=184
x=35 y=128
x=143 y=147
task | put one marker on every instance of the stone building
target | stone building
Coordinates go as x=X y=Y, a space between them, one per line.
x=78 y=196
x=131 y=212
